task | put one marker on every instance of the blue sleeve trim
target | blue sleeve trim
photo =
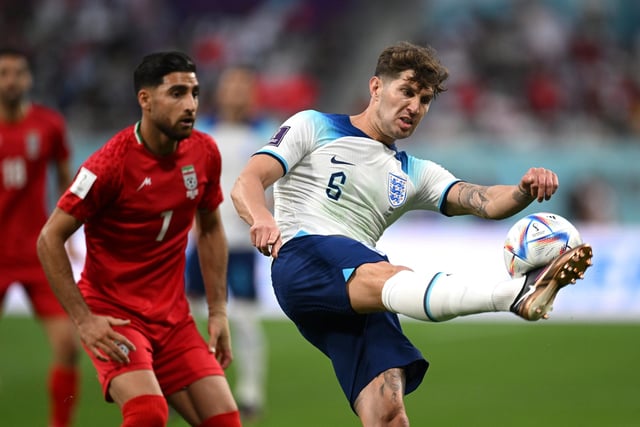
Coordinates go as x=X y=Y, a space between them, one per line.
x=443 y=199
x=281 y=160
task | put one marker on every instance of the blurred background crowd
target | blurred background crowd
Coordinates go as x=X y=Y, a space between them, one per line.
x=538 y=75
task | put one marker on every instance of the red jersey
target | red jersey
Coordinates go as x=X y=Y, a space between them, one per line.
x=27 y=148
x=137 y=210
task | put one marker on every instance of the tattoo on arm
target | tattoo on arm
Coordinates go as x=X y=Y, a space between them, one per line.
x=473 y=198
x=521 y=196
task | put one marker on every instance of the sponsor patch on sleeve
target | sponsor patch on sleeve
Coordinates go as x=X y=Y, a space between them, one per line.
x=276 y=139
x=83 y=182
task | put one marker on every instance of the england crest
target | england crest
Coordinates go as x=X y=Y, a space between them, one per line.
x=190 y=181
x=397 y=190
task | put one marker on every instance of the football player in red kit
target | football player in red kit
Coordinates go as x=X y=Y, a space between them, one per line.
x=137 y=197
x=32 y=137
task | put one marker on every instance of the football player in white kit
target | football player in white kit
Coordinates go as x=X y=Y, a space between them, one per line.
x=340 y=181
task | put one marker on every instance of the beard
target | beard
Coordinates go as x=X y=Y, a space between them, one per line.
x=11 y=99
x=175 y=132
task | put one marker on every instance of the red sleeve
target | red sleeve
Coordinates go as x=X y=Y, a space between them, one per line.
x=97 y=183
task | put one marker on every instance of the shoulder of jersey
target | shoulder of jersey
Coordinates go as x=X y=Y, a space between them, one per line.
x=120 y=143
x=202 y=138
x=47 y=113
x=197 y=134
x=309 y=114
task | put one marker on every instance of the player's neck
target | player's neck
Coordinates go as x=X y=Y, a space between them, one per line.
x=364 y=122
x=10 y=113
x=154 y=140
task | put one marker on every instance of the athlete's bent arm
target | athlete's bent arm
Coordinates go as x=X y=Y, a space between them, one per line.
x=63 y=180
x=213 y=255
x=248 y=195
x=95 y=331
x=63 y=175
x=501 y=201
x=55 y=262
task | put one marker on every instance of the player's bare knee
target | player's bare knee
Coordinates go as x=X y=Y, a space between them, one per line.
x=365 y=286
x=391 y=411
x=397 y=417
x=68 y=358
x=373 y=275
x=65 y=352
x=381 y=402
x=386 y=412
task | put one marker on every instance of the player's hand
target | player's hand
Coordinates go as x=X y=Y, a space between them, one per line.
x=219 y=338
x=539 y=183
x=265 y=236
x=105 y=343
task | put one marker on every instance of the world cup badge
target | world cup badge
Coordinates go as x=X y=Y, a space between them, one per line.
x=397 y=190
x=190 y=181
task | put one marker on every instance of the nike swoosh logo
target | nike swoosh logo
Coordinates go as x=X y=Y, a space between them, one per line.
x=340 y=162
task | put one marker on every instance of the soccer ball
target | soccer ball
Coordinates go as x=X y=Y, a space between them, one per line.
x=535 y=240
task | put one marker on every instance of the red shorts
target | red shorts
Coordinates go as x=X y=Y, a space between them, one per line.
x=178 y=355
x=36 y=285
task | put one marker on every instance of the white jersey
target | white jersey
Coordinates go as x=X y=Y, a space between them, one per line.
x=338 y=181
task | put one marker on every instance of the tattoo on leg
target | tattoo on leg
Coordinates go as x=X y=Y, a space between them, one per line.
x=392 y=381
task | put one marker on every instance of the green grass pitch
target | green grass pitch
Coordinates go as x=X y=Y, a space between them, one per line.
x=482 y=374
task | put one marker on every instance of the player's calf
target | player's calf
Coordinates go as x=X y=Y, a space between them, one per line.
x=229 y=419
x=148 y=410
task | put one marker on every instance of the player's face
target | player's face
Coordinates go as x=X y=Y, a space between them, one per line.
x=235 y=94
x=401 y=105
x=15 y=79
x=172 y=106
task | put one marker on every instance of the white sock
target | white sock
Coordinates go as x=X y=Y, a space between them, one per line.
x=444 y=296
x=249 y=350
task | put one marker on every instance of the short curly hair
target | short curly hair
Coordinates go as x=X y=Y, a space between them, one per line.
x=402 y=56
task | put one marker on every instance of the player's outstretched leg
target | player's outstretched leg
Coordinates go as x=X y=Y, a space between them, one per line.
x=541 y=286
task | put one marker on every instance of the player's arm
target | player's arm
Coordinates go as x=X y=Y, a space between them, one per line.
x=95 y=331
x=248 y=195
x=63 y=180
x=213 y=256
x=63 y=175
x=55 y=262
x=501 y=201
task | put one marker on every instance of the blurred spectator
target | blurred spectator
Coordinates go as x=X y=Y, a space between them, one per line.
x=239 y=129
x=564 y=69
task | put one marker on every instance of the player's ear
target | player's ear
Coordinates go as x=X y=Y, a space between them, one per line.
x=144 y=98
x=375 y=86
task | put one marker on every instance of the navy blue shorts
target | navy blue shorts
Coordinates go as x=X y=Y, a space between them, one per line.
x=241 y=269
x=309 y=279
